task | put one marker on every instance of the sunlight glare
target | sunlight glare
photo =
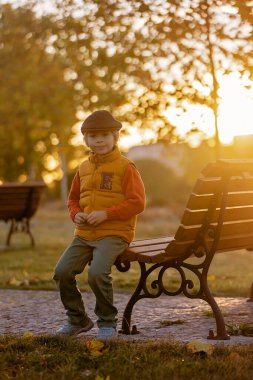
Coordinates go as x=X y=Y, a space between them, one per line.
x=235 y=109
x=132 y=137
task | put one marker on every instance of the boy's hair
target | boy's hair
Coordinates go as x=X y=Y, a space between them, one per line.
x=100 y=121
x=115 y=135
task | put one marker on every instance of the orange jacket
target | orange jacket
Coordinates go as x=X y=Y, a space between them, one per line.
x=107 y=182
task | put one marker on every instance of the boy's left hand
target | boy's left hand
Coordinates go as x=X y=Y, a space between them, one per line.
x=96 y=217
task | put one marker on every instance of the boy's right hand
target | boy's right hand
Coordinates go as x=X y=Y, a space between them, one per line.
x=80 y=218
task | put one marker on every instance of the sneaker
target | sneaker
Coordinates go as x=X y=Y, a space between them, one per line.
x=69 y=329
x=107 y=333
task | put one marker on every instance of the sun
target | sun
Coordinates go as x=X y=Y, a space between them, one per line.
x=235 y=113
x=235 y=108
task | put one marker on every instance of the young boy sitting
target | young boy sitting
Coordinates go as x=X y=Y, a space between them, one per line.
x=106 y=195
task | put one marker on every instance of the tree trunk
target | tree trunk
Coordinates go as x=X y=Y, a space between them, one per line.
x=215 y=96
x=64 y=180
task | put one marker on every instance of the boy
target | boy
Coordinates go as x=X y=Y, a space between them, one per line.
x=106 y=195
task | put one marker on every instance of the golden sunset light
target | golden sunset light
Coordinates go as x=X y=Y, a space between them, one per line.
x=235 y=110
x=235 y=115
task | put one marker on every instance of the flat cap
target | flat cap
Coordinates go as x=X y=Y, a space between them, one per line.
x=100 y=120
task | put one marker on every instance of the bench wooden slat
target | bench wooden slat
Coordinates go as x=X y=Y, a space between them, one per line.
x=231 y=214
x=226 y=243
x=15 y=190
x=200 y=202
x=141 y=243
x=223 y=166
x=234 y=228
x=212 y=185
x=18 y=196
x=149 y=248
x=23 y=185
x=16 y=205
x=145 y=257
x=19 y=201
x=230 y=243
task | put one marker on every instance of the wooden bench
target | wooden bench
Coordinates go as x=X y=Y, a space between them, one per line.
x=18 y=203
x=218 y=217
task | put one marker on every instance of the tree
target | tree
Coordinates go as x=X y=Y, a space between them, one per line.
x=37 y=100
x=136 y=59
x=192 y=43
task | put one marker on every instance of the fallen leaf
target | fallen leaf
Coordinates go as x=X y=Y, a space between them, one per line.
x=98 y=377
x=28 y=334
x=95 y=347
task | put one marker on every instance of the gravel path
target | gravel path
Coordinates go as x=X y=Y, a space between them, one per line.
x=41 y=312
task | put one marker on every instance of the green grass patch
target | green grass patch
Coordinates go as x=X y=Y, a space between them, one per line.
x=57 y=358
x=209 y=313
x=165 y=323
x=245 y=329
x=24 y=267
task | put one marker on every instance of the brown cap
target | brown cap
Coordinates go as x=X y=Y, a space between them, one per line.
x=100 y=121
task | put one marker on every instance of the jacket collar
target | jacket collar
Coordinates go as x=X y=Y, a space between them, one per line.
x=102 y=158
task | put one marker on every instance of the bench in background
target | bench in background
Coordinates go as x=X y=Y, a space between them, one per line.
x=218 y=217
x=18 y=203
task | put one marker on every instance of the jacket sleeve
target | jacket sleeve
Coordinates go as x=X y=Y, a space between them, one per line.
x=74 y=197
x=134 y=192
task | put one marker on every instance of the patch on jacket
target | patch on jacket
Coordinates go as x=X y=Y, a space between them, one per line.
x=106 y=180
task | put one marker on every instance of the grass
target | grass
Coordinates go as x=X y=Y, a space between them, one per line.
x=165 y=323
x=24 y=267
x=57 y=358
x=245 y=329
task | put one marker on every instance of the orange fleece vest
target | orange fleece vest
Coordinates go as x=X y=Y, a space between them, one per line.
x=100 y=188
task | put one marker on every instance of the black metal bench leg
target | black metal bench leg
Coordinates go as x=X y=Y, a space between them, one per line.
x=126 y=322
x=220 y=323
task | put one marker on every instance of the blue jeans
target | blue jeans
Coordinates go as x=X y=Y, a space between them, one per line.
x=102 y=254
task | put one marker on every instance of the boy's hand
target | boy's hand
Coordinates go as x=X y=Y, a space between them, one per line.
x=96 y=217
x=80 y=218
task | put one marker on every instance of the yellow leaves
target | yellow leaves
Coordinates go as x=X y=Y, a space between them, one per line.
x=28 y=334
x=95 y=347
x=196 y=346
x=98 y=377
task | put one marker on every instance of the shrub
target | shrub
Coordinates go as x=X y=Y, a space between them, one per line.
x=163 y=186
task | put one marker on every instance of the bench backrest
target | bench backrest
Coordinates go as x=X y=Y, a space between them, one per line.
x=18 y=201
x=220 y=207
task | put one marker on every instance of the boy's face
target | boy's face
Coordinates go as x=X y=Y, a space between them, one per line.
x=100 y=142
